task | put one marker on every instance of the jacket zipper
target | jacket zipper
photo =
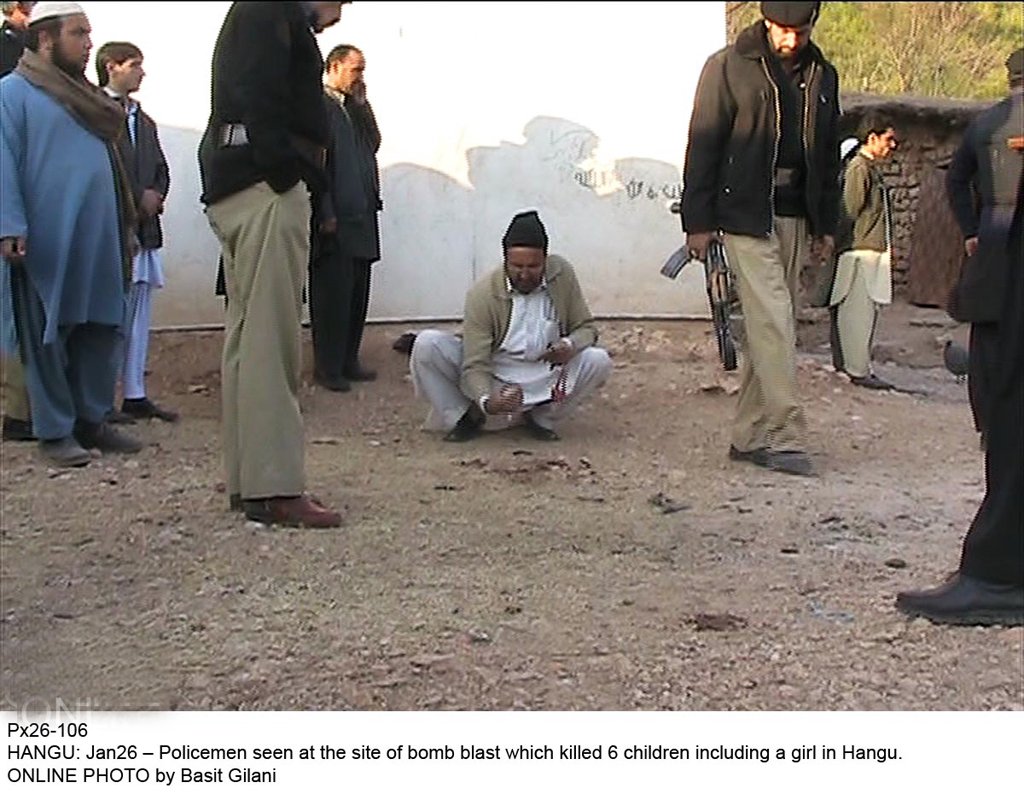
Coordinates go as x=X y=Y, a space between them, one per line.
x=775 y=154
x=804 y=127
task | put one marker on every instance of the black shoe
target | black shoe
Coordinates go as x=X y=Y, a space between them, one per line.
x=105 y=438
x=65 y=452
x=147 y=409
x=336 y=384
x=539 y=432
x=17 y=430
x=872 y=381
x=357 y=374
x=116 y=417
x=966 y=601
x=469 y=426
x=759 y=456
x=791 y=462
x=404 y=343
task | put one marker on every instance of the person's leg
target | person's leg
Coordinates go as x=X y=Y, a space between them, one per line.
x=983 y=367
x=136 y=345
x=50 y=398
x=855 y=319
x=361 y=272
x=436 y=366
x=17 y=422
x=586 y=373
x=768 y=414
x=270 y=265
x=329 y=288
x=94 y=353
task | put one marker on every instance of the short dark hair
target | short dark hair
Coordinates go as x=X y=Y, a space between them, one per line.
x=339 y=54
x=52 y=27
x=874 y=123
x=114 y=52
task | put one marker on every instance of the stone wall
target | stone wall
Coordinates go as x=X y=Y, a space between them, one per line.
x=929 y=131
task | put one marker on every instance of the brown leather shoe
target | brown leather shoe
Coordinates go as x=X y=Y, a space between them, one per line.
x=301 y=512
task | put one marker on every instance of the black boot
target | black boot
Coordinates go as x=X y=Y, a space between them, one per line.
x=468 y=427
x=966 y=601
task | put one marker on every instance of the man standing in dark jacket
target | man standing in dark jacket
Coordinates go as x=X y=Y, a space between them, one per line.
x=12 y=34
x=346 y=233
x=761 y=171
x=17 y=421
x=981 y=184
x=119 y=70
x=261 y=155
x=988 y=589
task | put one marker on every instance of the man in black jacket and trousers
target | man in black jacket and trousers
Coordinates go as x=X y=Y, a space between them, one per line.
x=988 y=589
x=346 y=234
x=761 y=171
x=981 y=184
x=261 y=155
x=119 y=68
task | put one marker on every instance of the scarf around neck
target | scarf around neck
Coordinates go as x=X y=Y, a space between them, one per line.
x=103 y=117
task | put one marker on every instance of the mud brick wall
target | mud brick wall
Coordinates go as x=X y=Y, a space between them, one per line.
x=929 y=131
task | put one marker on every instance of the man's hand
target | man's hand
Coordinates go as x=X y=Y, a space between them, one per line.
x=559 y=353
x=358 y=92
x=822 y=248
x=507 y=400
x=151 y=204
x=329 y=226
x=971 y=246
x=13 y=249
x=697 y=244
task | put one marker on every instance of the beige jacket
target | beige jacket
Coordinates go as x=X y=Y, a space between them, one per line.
x=488 y=313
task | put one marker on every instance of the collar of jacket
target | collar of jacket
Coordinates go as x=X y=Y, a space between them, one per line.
x=752 y=43
x=336 y=95
x=499 y=280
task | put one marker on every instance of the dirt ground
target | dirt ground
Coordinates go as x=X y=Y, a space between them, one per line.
x=629 y=566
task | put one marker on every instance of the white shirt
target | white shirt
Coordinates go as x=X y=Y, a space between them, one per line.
x=533 y=327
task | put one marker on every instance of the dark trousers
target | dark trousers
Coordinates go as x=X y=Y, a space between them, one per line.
x=994 y=547
x=339 y=296
x=983 y=372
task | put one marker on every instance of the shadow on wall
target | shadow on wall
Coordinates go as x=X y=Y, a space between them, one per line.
x=610 y=219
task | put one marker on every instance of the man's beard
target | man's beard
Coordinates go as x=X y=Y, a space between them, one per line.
x=70 y=67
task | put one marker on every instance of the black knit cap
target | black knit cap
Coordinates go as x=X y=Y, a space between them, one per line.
x=526 y=231
x=1015 y=64
x=790 y=15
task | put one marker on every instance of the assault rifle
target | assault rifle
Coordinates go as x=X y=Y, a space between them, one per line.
x=719 y=286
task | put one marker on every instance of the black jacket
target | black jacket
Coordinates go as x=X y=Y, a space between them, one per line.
x=12 y=45
x=982 y=184
x=729 y=177
x=147 y=167
x=267 y=73
x=353 y=195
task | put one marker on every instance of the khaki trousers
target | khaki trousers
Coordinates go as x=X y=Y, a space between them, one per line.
x=15 y=392
x=767 y=274
x=264 y=238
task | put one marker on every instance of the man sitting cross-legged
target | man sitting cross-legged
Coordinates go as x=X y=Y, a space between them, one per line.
x=527 y=345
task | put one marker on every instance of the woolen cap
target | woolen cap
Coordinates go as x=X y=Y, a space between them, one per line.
x=1015 y=64
x=41 y=11
x=790 y=15
x=526 y=231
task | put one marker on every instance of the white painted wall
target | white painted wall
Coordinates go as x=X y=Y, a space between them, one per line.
x=577 y=109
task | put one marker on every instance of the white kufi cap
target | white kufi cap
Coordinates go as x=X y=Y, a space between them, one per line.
x=41 y=11
x=847 y=146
